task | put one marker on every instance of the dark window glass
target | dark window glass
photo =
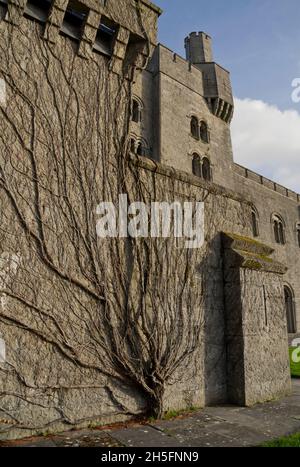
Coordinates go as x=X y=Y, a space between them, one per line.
x=298 y=234
x=195 y=127
x=255 y=229
x=38 y=9
x=74 y=19
x=279 y=231
x=204 y=135
x=206 y=170
x=3 y=9
x=290 y=310
x=105 y=37
x=140 y=150
x=197 y=165
x=136 y=111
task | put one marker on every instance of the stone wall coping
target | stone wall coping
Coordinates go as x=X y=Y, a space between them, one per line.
x=190 y=179
x=251 y=254
x=152 y=6
x=266 y=182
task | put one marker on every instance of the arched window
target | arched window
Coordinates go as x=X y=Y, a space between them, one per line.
x=197 y=165
x=206 y=170
x=254 y=221
x=298 y=233
x=195 y=127
x=290 y=310
x=204 y=134
x=136 y=111
x=279 y=230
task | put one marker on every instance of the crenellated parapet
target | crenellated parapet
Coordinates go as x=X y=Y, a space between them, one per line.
x=98 y=26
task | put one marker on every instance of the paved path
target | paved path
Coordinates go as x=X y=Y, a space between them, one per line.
x=214 y=426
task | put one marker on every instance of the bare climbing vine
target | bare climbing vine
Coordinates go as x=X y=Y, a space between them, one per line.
x=79 y=312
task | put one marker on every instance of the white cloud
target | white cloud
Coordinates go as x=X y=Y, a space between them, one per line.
x=267 y=140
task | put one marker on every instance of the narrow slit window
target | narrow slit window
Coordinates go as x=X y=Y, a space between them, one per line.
x=265 y=306
x=74 y=20
x=38 y=9
x=105 y=38
x=290 y=310
x=255 y=228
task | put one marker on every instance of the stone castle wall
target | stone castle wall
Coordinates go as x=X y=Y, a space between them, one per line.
x=77 y=313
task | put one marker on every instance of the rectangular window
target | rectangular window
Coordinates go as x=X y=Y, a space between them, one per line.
x=38 y=9
x=105 y=38
x=3 y=9
x=74 y=20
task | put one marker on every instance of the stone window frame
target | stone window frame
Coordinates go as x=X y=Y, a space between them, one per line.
x=137 y=142
x=279 y=229
x=195 y=155
x=204 y=137
x=197 y=164
x=194 y=127
x=38 y=12
x=140 y=109
x=106 y=36
x=71 y=14
x=290 y=308
x=207 y=175
x=298 y=233
x=255 y=222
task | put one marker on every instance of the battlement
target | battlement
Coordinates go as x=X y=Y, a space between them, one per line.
x=198 y=46
x=266 y=182
x=121 y=29
x=178 y=68
x=209 y=79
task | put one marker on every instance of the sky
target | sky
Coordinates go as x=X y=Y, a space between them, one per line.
x=258 y=41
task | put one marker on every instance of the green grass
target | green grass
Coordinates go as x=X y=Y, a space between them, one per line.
x=172 y=414
x=295 y=367
x=292 y=441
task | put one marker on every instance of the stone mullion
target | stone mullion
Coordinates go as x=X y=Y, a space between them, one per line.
x=55 y=20
x=119 y=50
x=89 y=34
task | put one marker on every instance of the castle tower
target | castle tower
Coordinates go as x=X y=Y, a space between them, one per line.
x=198 y=48
x=216 y=80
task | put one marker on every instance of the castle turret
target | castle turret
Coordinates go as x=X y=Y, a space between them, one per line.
x=216 y=80
x=198 y=48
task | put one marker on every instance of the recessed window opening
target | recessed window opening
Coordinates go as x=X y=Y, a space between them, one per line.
x=3 y=9
x=38 y=9
x=105 y=37
x=74 y=20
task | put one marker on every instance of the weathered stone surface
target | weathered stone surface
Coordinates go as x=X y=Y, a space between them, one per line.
x=79 y=316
